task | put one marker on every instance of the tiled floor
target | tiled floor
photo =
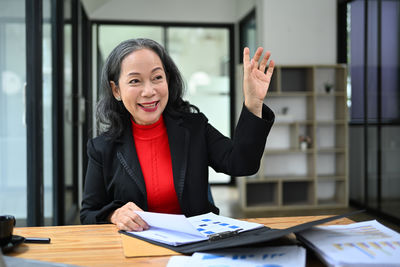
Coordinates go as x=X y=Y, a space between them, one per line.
x=226 y=198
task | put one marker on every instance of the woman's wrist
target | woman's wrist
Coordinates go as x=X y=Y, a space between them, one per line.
x=254 y=106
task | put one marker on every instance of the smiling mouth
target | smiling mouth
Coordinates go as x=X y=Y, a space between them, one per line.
x=149 y=107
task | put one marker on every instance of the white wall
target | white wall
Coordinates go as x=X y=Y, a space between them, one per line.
x=298 y=31
x=204 y=11
x=243 y=7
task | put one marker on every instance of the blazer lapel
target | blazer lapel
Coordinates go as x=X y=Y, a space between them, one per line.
x=178 y=138
x=128 y=157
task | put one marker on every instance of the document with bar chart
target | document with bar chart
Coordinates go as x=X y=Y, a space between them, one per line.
x=359 y=244
x=176 y=229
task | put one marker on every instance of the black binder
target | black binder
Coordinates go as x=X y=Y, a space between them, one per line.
x=235 y=239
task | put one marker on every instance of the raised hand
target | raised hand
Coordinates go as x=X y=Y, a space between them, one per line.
x=255 y=80
x=125 y=218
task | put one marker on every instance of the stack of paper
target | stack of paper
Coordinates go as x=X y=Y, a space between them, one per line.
x=177 y=230
x=285 y=256
x=359 y=244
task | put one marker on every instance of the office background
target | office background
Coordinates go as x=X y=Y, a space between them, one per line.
x=51 y=53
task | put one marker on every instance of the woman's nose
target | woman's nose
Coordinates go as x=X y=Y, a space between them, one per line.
x=148 y=90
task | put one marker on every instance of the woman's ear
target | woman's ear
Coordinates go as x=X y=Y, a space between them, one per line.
x=115 y=91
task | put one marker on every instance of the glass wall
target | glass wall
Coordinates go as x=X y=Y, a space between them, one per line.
x=202 y=56
x=390 y=108
x=375 y=105
x=47 y=114
x=375 y=28
x=13 y=164
x=111 y=35
x=68 y=150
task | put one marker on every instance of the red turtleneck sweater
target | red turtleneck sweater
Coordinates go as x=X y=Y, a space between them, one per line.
x=154 y=155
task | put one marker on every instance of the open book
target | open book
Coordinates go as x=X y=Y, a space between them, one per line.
x=177 y=230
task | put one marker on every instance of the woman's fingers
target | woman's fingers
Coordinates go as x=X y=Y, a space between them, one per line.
x=246 y=61
x=270 y=70
x=257 y=56
x=246 y=55
x=253 y=63
x=264 y=61
x=125 y=218
x=142 y=225
x=136 y=218
x=126 y=223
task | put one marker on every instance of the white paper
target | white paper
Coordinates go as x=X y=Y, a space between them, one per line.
x=170 y=229
x=165 y=236
x=365 y=243
x=172 y=222
x=284 y=256
x=177 y=229
x=178 y=261
x=210 y=224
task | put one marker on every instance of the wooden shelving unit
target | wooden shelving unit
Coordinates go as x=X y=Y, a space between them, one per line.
x=305 y=163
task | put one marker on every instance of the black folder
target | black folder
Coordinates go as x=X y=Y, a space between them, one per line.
x=234 y=239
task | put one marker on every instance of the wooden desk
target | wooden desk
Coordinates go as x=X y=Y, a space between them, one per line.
x=100 y=245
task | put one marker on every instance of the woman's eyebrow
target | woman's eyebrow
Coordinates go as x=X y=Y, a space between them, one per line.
x=132 y=73
x=157 y=68
x=138 y=73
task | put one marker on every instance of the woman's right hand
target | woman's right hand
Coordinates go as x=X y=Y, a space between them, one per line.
x=125 y=218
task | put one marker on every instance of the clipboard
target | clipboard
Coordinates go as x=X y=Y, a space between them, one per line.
x=134 y=247
x=235 y=239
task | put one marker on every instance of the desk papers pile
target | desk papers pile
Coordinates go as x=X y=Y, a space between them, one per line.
x=177 y=230
x=359 y=244
x=283 y=256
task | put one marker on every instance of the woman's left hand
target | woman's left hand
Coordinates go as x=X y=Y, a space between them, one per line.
x=255 y=80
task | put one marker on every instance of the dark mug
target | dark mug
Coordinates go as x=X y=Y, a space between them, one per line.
x=7 y=223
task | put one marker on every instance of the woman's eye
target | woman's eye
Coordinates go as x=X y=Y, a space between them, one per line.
x=158 y=77
x=134 y=81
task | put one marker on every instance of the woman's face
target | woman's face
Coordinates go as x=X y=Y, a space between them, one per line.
x=143 y=86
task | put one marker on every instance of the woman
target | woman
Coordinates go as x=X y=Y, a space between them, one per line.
x=155 y=149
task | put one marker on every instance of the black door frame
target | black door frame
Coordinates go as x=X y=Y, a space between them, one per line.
x=34 y=112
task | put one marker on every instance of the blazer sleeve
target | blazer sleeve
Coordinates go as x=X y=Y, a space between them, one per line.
x=240 y=155
x=96 y=203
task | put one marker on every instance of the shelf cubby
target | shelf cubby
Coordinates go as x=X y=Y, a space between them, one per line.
x=331 y=192
x=296 y=79
x=297 y=193
x=263 y=193
x=287 y=163
x=331 y=135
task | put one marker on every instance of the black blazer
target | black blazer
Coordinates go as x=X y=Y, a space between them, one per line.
x=114 y=176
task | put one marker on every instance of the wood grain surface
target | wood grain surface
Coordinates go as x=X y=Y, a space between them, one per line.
x=101 y=245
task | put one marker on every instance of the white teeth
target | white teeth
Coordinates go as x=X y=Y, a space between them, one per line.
x=149 y=105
